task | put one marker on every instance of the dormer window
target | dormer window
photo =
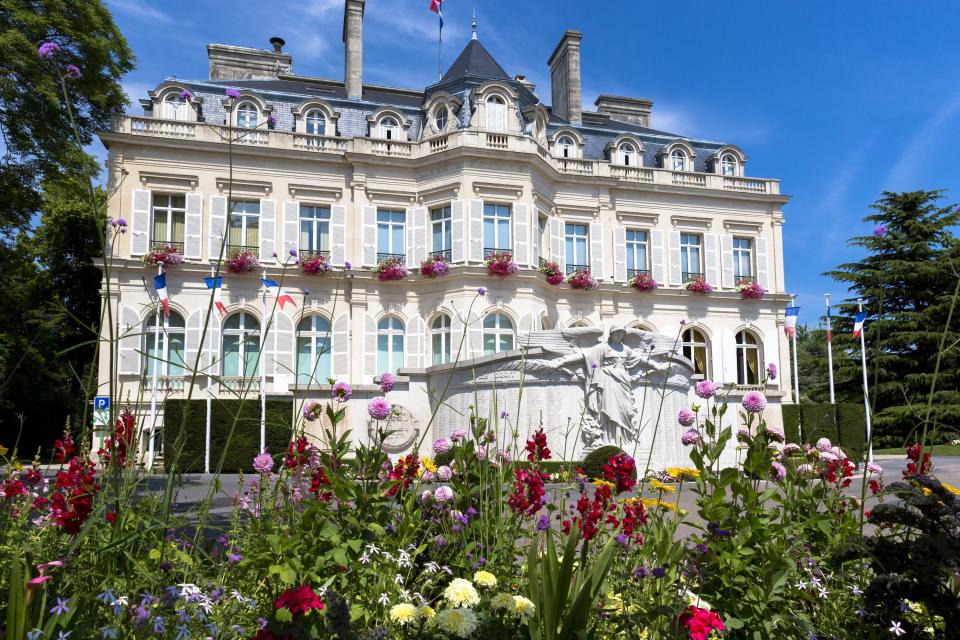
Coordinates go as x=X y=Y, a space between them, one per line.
x=678 y=160
x=388 y=128
x=627 y=155
x=566 y=147
x=174 y=107
x=247 y=116
x=440 y=117
x=728 y=165
x=316 y=123
x=496 y=114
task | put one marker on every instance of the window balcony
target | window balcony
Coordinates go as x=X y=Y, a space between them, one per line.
x=488 y=251
x=165 y=384
x=241 y=384
x=313 y=255
x=167 y=243
x=444 y=254
x=687 y=276
x=392 y=256
x=240 y=248
x=573 y=268
x=633 y=273
x=744 y=280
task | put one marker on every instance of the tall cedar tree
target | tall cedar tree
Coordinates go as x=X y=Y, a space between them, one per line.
x=907 y=282
x=47 y=287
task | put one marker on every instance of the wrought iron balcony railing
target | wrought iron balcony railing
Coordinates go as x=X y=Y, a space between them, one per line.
x=392 y=256
x=443 y=254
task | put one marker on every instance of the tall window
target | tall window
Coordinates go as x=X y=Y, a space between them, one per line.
x=247 y=115
x=728 y=165
x=174 y=107
x=389 y=345
x=244 y=228
x=440 y=117
x=313 y=350
x=314 y=229
x=388 y=128
x=637 y=246
x=678 y=160
x=169 y=212
x=241 y=346
x=566 y=147
x=440 y=336
x=441 y=227
x=748 y=358
x=496 y=114
x=497 y=334
x=496 y=228
x=164 y=344
x=316 y=123
x=575 y=238
x=690 y=264
x=696 y=348
x=390 y=226
x=742 y=259
x=627 y=154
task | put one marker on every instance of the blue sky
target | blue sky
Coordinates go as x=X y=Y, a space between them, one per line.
x=840 y=100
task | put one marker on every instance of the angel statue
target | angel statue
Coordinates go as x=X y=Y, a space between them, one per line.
x=610 y=370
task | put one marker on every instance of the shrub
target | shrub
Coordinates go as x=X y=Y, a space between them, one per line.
x=244 y=443
x=818 y=421
x=593 y=464
x=851 y=430
x=791 y=422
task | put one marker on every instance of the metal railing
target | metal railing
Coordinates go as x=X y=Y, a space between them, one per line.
x=154 y=243
x=487 y=251
x=744 y=279
x=444 y=254
x=239 y=248
x=392 y=256
x=632 y=273
x=573 y=268
x=692 y=275
x=310 y=255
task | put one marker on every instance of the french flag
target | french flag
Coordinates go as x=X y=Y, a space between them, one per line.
x=858 y=323
x=829 y=325
x=160 y=284
x=274 y=286
x=435 y=7
x=216 y=284
x=790 y=321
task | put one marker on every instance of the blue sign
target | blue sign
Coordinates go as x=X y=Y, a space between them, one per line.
x=101 y=403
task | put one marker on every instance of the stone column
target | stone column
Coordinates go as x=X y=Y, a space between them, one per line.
x=353 y=48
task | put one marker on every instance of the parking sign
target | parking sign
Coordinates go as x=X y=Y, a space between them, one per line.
x=101 y=403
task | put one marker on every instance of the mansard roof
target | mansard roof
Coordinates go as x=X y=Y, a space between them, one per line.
x=477 y=62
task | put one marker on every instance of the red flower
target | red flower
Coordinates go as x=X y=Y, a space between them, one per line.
x=404 y=473
x=700 y=622
x=528 y=493
x=63 y=448
x=918 y=465
x=621 y=470
x=72 y=500
x=319 y=480
x=298 y=453
x=299 y=600
x=13 y=488
x=111 y=517
x=537 y=447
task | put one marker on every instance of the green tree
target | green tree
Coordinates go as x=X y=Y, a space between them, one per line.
x=812 y=368
x=907 y=282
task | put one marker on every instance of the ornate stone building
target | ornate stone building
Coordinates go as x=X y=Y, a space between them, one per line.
x=472 y=164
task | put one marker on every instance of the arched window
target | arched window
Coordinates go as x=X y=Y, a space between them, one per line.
x=316 y=123
x=313 y=351
x=639 y=326
x=174 y=107
x=164 y=344
x=627 y=154
x=678 y=160
x=390 y=344
x=241 y=346
x=440 y=336
x=728 y=165
x=247 y=115
x=566 y=147
x=440 y=117
x=578 y=323
x=388 y=128
x=748 y=358
x=497 y=334
x=697 y=349
x=496 y=114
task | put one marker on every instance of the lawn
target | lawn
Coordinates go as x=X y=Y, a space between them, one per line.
x=938 y=450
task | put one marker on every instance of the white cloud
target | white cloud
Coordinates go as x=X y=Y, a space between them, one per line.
x=135 y=92
x=903 y=173
x=140 y=10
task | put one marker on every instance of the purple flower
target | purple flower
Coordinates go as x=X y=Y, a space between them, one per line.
x=543 y=522
x=444 y=473
x=61 y=607
x=701 y=548
x=441 y=445
x=165 y=566
x=263 y=462
x=379 y=408
x=691 y=437
x=706 y=389
x=623 y=540
x=686 y=417
x=47 y=50
x=824 y=444
x=775 y=433
x=457 y=435
x=778 y=472
x=482 y=291
x=443 y=494
x=186 y=95
x=342 y=392
x=311 y=410
x=293 y=252
x=347 y=265
x=306 y=292
x=879 y=231
x=641 y=572
x=659 y=572
x=387 y=381
x=232 y=93
x=772 y=371
x=503 y=415
x=754 y=401
x=121 y=222
x=481 y=453
x=272 y=120
x=234 y=557
x=72 y=71
x=743 y=434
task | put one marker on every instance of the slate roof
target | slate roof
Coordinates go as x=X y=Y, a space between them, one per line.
x=475 y=61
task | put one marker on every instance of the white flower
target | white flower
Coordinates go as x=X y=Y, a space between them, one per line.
x=384 y=599
x=122 y=601
x=801 y=585
x=855 y=590
x=432 y=567
x=461 y=593
x=364 y=558
x=896 y=629
x=448 y=570
x=236 y=595
x=404 y=594
x=373 y=549
x=386 y=555
x=824 y=593
x=398 y=579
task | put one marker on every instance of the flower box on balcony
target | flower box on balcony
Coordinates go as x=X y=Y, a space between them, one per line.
x=390 y=269
x=750 y=290
x=699 y=286
x=582 y=280
x=242 y=261
x=552 y=271
x=435 y=267
x=167 y=254
x=316 y=265
x=643 y=282
x=500 y=263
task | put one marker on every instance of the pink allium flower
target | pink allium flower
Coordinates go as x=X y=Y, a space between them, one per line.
x=686 y=417
x=443 y=494
x=829 y=456
x=457 y=435
x=874 y=468
x=775 y=433
x=387 y=381
x=263 y=462
x=379 y=408
x=706 y=389
x=481 y=453
x=754 y=401
x=441 y=445
x=342 y=392
x=311 y=410
x=778 y=472
x=232 y=93
x=47 y=50
x=690 y=437
x=72 y=71
x=444 y=473
x=824 y=444
x=772 y=371
x=743 y=434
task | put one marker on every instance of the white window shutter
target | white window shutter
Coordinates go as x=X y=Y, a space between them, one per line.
x=411 y=252
x=415 y=348
x=476 y=338
x=192 y=344
x=620 y=253
x=291 y=226
x=369 y=236
x=140 y=222
x=726 y=259
x=218 y=226
x=268 y=229
x=419 y=223
x=458 y=227
x=656 y=256
x=338 y=234
x=340 y=347
x=596 y=251
x=131 y=341
x=676 y=273
x=282 y=362
x=193 y=227
x=521 y=235
x=763 y=268
x=370 y=347
x=536 y=252
x=710 y=258
x=476 y=230
x=557 y=254
x=459 y=343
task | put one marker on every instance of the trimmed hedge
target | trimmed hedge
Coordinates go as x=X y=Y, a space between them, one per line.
x=244 y=443
x=593 y=463
x=819 y=421
x=791 y=422
x=852 y=430
x=843 y=424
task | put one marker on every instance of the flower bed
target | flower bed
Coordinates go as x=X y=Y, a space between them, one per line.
x=643 y=282
x=316 y=265
x=699 y=286
x=390 y=269
x=242 y=261
x=500 y=263
x=167 y=254
x=750 y=290
x=434 y=267
x=582 y=280
x=553 y=272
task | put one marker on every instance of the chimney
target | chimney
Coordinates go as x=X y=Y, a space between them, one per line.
x=623 y=109
x=353 y=48
x=277 y=43
x=565 y=77
x=229 y=62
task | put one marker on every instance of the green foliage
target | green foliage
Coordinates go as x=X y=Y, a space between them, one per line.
x=851 y=430
x=236 y=422
x=791 y=422
x=593 y=464
x=819 y=421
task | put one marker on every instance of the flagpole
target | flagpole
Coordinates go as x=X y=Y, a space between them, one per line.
x=796 y=375
x=829 y=347
x=866 y=392
x=153 y=383
x=263 y=368
x=440 y=49
x=206 y=435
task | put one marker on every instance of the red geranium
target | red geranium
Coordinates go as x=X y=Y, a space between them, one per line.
x=700 y=622
x=299 y=600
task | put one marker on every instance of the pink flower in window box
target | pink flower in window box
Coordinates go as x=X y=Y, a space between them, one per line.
x=552 y=271
x=500 y=263
x=242 y=262
x=434 y=267
x=750 y=290
x=390 y=269
x=643 y=282
x=582 y=280
x=315 y=265
x=698 y=285
x=167 y=254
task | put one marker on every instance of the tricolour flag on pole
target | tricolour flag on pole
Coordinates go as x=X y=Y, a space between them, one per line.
x=216 y=284
x=435 y=7
x=858 y=322
x=829 y=325
x=160 y=284
x=790 y=321
x=274 y=286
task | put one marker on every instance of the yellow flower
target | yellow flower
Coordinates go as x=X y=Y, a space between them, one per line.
x=523 y=607
x=403 y=613
x=3 y=450
x=501 y=601
x=428 y=464
x=460 y=593
x=651 y=503
x=457 y=622
x=427 y=612
x=681 y=473
x=485 y=579
x=927 y=492
x=951 y=489
x=600 y=483
x=662 y=486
